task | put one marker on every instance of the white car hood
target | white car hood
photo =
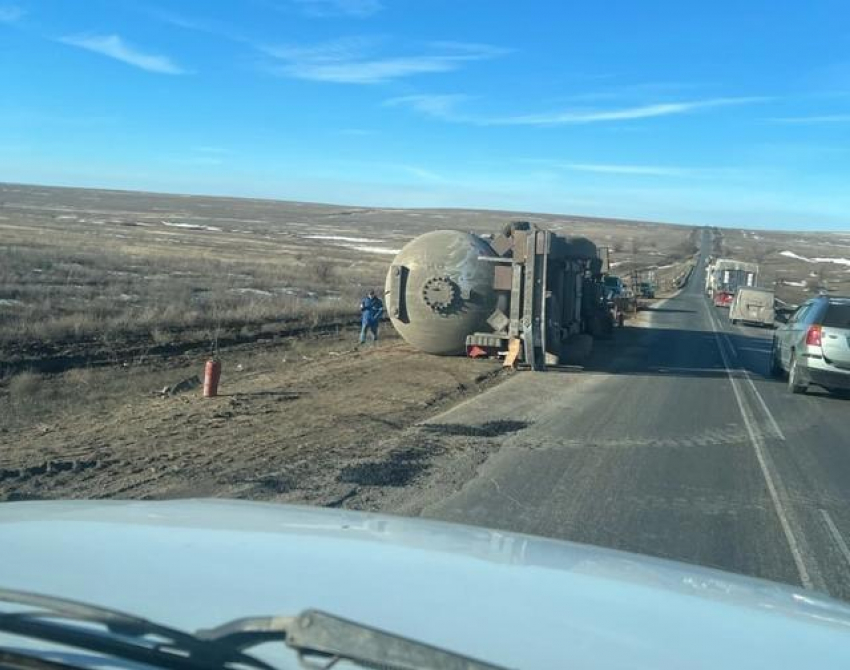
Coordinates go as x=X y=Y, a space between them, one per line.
x=510 y=599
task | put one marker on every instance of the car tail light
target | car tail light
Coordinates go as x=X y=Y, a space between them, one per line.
x=813 y=336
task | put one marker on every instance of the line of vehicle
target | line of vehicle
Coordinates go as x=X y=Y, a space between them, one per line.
x=836 y=535
x=771 y=479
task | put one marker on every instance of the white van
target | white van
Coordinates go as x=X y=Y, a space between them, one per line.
x=753 y=306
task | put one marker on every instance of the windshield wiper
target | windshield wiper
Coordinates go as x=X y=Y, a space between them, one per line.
x=319 y=639
x=319 y=636
x=104 y=631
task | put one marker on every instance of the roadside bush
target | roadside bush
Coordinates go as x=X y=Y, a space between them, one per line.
x=24 y=385
x=323 y=271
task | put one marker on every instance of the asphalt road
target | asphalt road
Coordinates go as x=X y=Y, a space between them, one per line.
x=673 y=442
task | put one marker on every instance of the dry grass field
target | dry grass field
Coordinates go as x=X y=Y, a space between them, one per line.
x=107 y=298
x=84 y=270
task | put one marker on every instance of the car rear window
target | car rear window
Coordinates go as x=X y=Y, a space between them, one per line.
x=837 y=316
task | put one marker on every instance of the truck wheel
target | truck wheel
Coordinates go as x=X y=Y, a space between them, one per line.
x=794 y=384
x=734 y=322
x=606 y=329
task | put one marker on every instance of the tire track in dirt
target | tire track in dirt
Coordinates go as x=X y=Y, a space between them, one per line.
x=301 y=428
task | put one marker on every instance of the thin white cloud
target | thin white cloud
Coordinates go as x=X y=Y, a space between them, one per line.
x=422 y=173
x=199 y=25
x=438 y=106
x=115 y=47
x=10 y=13
x=445 y=107
x=814 y=120
x=575 y=117
x=334 y=8
x=638 y=170
x=199 y=161
x=713 y=173
x=353 y=60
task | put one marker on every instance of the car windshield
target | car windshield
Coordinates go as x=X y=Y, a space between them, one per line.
x=343 y=305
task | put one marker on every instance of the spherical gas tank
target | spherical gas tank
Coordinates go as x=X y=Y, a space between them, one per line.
x=438 y=291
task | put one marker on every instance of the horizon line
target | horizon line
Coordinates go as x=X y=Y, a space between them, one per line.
x=518 y=212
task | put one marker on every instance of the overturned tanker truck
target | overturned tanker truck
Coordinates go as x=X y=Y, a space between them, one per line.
x=528 y=294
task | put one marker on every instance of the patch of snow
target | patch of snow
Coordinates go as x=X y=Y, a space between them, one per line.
x=837 y=261
x=66 y=217
x=824 y=259
x=375 y=250
x=9 y=302
x=251 y=291
x=799 y=284
x=191 y=226
x=341 y=238
x=291 y=290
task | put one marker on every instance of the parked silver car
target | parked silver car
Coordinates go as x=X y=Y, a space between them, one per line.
x=813 y=348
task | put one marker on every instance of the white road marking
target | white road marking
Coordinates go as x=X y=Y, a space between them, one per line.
x=762 y=458
x=773 y=423
x=688 y=370
x=764 y=407
x=836 y=535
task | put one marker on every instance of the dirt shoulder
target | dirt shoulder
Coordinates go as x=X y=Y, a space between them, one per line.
x=311 y=420
x=296 y=421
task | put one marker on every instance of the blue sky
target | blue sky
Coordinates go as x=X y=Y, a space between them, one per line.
x=725 y=113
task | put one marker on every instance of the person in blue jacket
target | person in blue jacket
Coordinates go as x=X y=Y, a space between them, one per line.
x=371 y=311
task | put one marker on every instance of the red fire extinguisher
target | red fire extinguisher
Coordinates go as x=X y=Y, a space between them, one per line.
x=212 y=374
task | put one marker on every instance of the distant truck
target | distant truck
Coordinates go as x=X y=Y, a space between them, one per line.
x=646 y=289
x=613 y=286
x=724 y=276
x=753 y=306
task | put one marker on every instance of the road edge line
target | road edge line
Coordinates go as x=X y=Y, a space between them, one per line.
x=758 y=447
x=773 y=423
x=836 y=535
